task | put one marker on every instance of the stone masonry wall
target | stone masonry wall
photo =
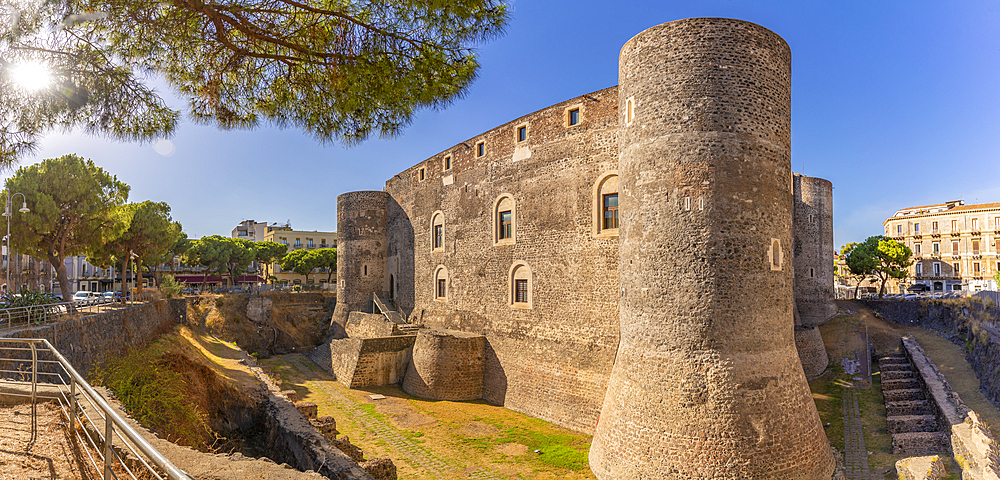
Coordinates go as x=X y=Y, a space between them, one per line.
x=365 y=362
x=89 y=340
x=550 y=358
x=370 y=325
x=707 y=382
x=446 y=365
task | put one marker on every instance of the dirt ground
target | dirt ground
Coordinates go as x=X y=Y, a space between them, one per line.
x=51 y=455
x=451 y=439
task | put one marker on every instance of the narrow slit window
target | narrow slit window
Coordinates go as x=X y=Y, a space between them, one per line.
x=687 y=203
x=505 y=225
x=422 y=175
x=975 y=224
x=611 y=211
x=701 y=204
x=447 y=163
x=811 y=274
x=628 y=111
x=480 y=149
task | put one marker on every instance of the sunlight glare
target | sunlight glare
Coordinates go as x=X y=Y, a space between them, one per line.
x=32 y=76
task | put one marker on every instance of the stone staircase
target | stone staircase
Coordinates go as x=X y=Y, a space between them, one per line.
x=911 y=418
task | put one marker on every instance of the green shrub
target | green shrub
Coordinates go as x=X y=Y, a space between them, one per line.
x=170 y=287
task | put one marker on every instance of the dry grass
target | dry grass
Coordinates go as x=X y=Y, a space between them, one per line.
x=51 y=455
x=465 y=435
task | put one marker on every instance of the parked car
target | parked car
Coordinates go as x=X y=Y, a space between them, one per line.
x=110 y=296
x=87 y=298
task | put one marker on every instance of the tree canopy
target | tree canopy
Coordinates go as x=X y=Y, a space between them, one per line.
x=75 y=209
x=268 y=253
x=339 y=70
x=301 y=262
x=221 y=255
x=882 y=257
x=326 y=258
x=149 y=235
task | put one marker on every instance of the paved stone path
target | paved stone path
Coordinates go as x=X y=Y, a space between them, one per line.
x=855 y=453
x=414 y=453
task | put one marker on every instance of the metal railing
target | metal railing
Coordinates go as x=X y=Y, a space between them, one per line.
x=23 y=361
x=38 y=314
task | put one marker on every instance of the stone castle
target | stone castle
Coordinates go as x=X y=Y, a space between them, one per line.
x=622 y=264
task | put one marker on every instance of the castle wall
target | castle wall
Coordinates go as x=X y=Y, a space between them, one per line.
x=446 y=365
x=361 y=252
x=813 y=249
x=550 y=357
x=707 y=382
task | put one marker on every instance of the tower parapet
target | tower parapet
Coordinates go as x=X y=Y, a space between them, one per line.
x=707 y=382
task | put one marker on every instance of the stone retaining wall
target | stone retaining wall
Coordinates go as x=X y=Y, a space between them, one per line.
x=973 y=446
x=366 y=362
x=370 y=325
x=446 y=365
x=88 y=340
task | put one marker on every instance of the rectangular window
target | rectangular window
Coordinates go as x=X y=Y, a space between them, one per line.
x=574 y=117
x=996 y=223
x=955 y=266
x=438 y=236
x=899 y=229
x=916 y=249
x=937 y=269
x=480 y=149
x=522 y=134
x=611 y=211
x=954 y=248
x=919 y=268
x=298 y=243
x=934 y=227
x=975 y=247
x=440 y=289
x=447 y=162
x=505 y=225
x=421 y=174
x=936 y=248
x=687 y=204
x=311 y=244
x=954 y=225
x=975 y=224
x=975 y=268
x=916 y=228
x=520 y=291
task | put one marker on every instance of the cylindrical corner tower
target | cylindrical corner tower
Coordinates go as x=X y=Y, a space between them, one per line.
x=361 y=249
x=707 y=383
x=446 y=365
x=813 y=227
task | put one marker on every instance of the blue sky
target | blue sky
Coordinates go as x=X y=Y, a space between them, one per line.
x=895 y=102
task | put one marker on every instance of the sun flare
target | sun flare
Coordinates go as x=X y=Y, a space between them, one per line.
x=32 y=76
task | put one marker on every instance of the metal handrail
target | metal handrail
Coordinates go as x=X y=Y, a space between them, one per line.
x=381 y=306
x=114 y=424
x=39 y=314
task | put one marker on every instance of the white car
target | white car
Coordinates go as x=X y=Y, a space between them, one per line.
x=86 y=298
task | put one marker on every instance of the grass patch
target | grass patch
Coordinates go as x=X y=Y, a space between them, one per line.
x=560 y=450
x=828 y=394
x=154 y=395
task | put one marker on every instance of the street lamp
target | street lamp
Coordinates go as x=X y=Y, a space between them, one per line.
x=7 y=213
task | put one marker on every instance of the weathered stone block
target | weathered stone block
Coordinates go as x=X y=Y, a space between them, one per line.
x=919 y=443
x=912 y=423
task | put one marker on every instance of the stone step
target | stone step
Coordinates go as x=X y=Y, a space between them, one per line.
x=918 y=443
x=902 y=395
x=893 y=355
x=900 y=384
x=898 y=375
x=908 y=407
x=889 y=367
x=912 y=423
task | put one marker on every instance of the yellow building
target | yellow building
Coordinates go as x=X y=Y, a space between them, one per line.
x=954 y=245
x=296 y=240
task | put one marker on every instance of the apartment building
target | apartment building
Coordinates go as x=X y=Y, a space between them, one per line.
x=954 y=245
x=301 y=239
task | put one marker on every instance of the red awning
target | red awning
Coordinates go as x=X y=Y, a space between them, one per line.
x=214 y=279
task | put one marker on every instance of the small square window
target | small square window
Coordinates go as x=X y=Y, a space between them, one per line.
x=480 y=149
x=573 y=117
x=447 y=162
x=522 y=133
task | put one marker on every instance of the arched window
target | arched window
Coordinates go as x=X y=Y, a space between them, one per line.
x=441 y=283
x=504 y=220
x=437 y=231
x=606 y=205
x=520 y=285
